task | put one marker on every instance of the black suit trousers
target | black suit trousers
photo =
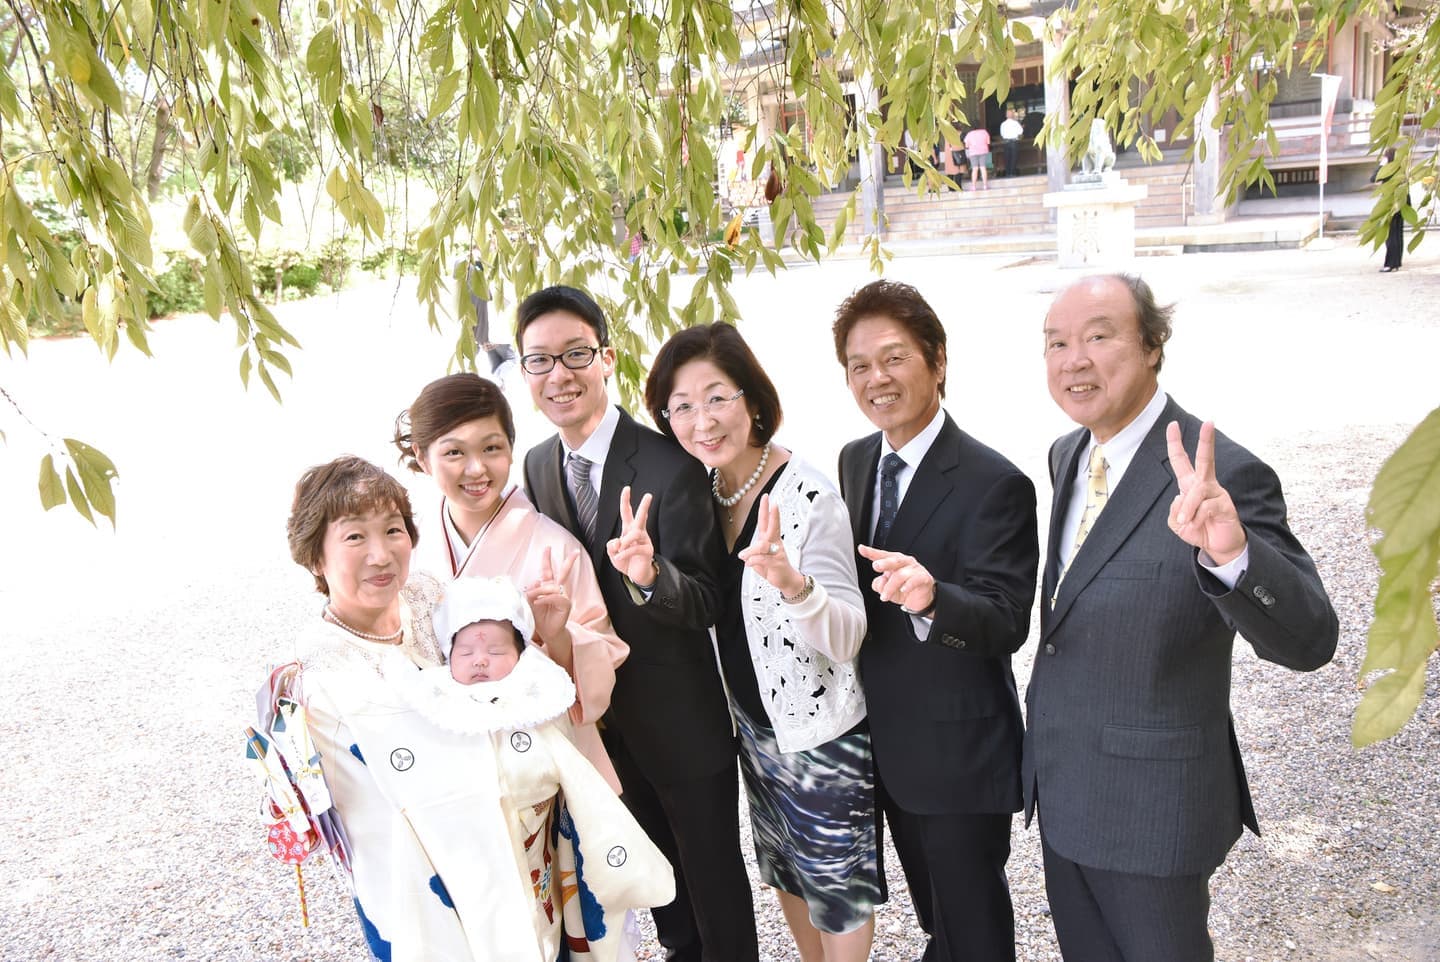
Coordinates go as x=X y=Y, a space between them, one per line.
x=695 y=823
x=954 y=866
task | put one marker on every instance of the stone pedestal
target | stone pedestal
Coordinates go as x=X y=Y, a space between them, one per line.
x=1095 y=222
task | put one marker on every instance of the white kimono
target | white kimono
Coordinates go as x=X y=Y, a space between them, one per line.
x=447 y=795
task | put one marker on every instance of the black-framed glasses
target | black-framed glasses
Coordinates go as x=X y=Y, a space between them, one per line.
x=685 y=411
x=576 y=359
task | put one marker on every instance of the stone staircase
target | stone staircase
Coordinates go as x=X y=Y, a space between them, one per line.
x=1012 y=207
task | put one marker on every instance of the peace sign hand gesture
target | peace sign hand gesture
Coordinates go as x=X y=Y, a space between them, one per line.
x=1202 y=514
x=766 y=555
x=633 y=554
x=549 y=603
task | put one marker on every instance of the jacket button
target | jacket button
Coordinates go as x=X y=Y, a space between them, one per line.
x=1263 y=595
x=1049 y=648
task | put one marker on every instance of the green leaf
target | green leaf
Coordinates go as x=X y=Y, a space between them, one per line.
x=1405 y=501
x=52 y=490
x=1387 y=705
x=77 y=496
x=97 y=475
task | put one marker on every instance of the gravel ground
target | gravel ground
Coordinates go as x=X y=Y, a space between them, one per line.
x=131 y=658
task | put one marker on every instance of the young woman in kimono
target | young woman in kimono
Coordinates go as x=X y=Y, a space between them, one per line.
x=787 y=642
x=460 y=432
x=421 y=806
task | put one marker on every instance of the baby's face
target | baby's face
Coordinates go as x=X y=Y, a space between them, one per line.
x=483 y=651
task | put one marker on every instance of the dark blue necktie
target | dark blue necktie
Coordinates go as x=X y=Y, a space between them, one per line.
x=889 y=496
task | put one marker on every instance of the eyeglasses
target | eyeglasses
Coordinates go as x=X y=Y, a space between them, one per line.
x=576 y=359
x=685 y=411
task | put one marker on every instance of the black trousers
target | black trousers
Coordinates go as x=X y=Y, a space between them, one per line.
x=1103 y=916
x=1395 y=241
x=696 y=824
x=1012 y=157
x=955 y=868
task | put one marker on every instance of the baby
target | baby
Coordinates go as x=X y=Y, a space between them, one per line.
x=484 y=650
x=498 y=690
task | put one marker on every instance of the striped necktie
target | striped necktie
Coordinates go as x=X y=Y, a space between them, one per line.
x=1097 y=493
x=586 y=500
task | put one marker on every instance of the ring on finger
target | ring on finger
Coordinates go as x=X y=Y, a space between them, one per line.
x=774 y=548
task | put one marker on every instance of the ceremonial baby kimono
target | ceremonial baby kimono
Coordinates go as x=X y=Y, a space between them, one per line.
x=459 y=847
x=513 y=544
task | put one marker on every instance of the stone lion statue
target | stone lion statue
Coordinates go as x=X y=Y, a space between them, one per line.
x=1100 y=155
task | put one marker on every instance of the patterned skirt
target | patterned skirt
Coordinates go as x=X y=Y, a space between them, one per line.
x=812 y=818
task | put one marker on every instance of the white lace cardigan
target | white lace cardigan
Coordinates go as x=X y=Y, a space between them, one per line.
x=809 y=687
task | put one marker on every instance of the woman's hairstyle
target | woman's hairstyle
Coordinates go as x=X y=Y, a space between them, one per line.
x=902 y=304
x=444 y=405
x=721 y=345
x=345 y=488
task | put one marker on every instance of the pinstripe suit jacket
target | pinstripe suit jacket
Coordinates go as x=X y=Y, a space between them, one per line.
x=1130 y=742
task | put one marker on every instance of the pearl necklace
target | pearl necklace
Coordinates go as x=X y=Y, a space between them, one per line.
x=386 y=639
x=744 y=489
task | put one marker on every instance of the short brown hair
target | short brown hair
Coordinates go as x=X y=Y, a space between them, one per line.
x=722 y=345
x=444 y=404
x=346 y=487
x=902 y=304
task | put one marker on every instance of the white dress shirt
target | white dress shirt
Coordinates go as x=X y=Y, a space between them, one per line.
x=912 y=453
x=1119 y=452
x=597 y=446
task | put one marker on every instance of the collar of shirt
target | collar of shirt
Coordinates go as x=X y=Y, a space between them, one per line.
x=597 y=445
x=912 y=453
x=1119 y=452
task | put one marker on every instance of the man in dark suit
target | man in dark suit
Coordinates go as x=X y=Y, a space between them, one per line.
x=668 y=729
x=1155 y=562
x=948 y=527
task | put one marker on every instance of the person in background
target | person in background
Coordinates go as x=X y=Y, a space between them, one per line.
x=977 y=148
x=1011 y=130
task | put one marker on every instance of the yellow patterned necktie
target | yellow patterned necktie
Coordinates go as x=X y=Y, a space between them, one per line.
x=1097 y=493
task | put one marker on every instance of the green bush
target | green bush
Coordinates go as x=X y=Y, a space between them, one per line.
x=402 y=258
x=299 y=274
x=179 y=288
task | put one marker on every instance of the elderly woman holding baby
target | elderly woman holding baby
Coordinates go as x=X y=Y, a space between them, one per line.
x=418 y=782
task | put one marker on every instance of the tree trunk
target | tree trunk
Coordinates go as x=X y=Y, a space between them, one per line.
x=157 y=149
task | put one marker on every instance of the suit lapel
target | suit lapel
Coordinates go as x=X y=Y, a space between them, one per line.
x=1067 y=455
x=549 y=494
x=858 y=478
x=620 y=470
x=1145 y=481
x=928 y=489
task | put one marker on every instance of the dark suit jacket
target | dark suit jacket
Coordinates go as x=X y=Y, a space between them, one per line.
x=944 y=715
x=668 y=702
x=1130 y=741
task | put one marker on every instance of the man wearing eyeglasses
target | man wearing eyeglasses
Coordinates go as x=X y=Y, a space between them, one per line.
x=641 y=505
x=946 y=526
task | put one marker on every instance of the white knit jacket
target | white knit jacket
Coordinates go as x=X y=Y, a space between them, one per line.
x=811 y=691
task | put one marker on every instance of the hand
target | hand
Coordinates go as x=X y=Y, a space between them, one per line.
x=772 y=565
x=1202 y=514
x=549 y=603
x=633 y=554
x=900 y=579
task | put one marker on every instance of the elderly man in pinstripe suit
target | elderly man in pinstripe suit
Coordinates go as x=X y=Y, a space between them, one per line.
x=1155 y=562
